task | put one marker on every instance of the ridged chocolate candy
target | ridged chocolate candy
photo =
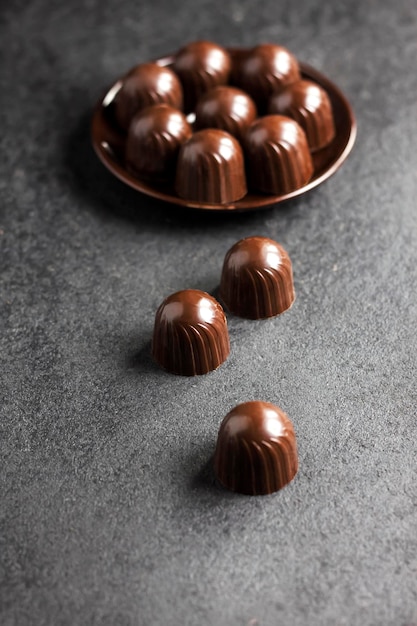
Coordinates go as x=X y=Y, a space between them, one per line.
x=266 y=69
x=211 y=168
x=309 y=105
x=201 y=65
x=145 y=85
x=277 y=155
x=256 y=452
x=154 y=139
x=190 y=333
x=227 y=108
x=256 y=280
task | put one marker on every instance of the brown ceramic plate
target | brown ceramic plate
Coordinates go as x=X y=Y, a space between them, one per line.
x=109 y=142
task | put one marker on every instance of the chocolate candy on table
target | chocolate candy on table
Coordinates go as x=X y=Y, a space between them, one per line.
x=190 y=334
x=211 y=168
x=256 y=451
x=201 y=65
x=309 y=105
x=227 y=108
x=143 y=86
x=256 y=280
x=277 y=155
x=264 y=70
x=154 y=138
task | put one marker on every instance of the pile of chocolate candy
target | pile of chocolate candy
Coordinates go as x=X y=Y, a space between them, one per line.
x=216 y=123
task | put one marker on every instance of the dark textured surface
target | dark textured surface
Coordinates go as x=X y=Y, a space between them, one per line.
x=109 y=513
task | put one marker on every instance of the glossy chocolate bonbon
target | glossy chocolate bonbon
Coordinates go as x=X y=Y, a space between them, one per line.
x=256 y=451
x=256 y=280
x=201 y=65
x=143 y=86
x=227 y=108
x=277 y=155
x=154 y=139
x=211 y=168
x=190 y=333
x=264 y=70
x=309 y=105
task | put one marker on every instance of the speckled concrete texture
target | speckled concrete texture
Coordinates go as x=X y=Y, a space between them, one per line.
x=109 y=512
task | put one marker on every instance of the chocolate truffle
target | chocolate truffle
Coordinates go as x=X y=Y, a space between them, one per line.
x=309 y=105
x=154 y=139
x=211 y=168
x=226 y=108
x=266 y=69
x=190 y=333
x=201 y=65
x=256 y=280
x=256 y=452
x=277 y=155
x=145 y=85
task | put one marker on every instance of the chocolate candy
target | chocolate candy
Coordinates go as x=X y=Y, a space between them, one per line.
x=201 y=65
x=154 y=139
x=309 y=105
x=256 y=452
x=211 y=168
x=256 y=280
x=145 y=85
x=190 y=333
x=266 y=69
x=277 y=155
x=226 y=108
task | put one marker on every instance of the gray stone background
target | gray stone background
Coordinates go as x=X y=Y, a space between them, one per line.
x=109 y=513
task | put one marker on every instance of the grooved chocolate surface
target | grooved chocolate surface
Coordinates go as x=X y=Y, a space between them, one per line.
x=145 y=85
x=154 y=138
x=266 y=69
x=256 y=451
x=201 y=65
x=256 y=280
x=277 y=155
x=190 y=333
x=211 y=168
x=309 y=105
x=227 y=108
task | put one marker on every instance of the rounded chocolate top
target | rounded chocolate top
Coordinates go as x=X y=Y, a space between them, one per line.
x=227 y=108
x=277 y=153
x=201 y=65
x=308 y=104
x=145 y=85
x=154 y=139
x=267 y=68
x=256 y=280
x=256 y=451
x=190 y=333
x=211 y=168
